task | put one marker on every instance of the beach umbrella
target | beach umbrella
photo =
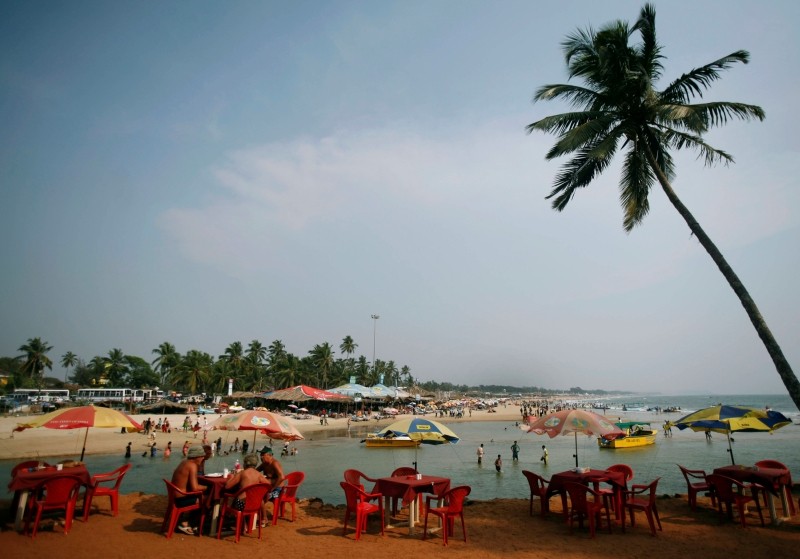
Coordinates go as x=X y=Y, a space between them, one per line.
x=733 y=419
x=426 y=431
x=574 y=421
x=294 y=407
x=273 y=426
x=83 y=417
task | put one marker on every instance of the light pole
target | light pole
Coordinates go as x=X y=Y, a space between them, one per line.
x=375 y=318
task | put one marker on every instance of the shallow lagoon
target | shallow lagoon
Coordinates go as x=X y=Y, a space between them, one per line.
x=323 y=456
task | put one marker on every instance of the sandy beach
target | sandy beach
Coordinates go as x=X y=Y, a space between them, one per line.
x=497 y=528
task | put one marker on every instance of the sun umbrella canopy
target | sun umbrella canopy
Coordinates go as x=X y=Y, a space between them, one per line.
x=420 y=429
x=273 y=426
x=82 y=417
x=733 y=419
x=574 y=421
x=303 y=393
x=723 y=419
x=426 y=431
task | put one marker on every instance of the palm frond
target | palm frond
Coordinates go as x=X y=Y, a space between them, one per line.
x=561 y=123
x=580 y=171
x=588 y=133
x=718 y=113
x=710 y=154
x=650 y=52
x=635 y=183
x=574 y=95
x=693 y=83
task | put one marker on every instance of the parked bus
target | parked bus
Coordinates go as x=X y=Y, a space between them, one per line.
x=112 y=395
x=43 y=395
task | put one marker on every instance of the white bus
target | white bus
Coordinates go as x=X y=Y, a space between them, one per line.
x=43 y=395
x=112 y=395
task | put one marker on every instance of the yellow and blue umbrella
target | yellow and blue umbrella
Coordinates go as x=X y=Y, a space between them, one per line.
x=732 y=419
x=426 y=431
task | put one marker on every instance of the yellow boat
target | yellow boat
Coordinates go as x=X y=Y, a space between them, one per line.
x=398 y=441
x=637 y=433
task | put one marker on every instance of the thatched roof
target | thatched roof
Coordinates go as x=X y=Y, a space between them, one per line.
x=164 y=406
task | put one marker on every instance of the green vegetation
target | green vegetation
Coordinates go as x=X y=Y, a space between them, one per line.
x=256 y=368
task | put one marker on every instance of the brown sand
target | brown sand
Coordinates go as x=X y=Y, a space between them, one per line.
x=499 y=528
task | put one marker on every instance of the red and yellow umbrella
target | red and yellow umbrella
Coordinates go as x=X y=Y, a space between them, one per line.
x=574 y=421
x=273 y=426
x=80 y=417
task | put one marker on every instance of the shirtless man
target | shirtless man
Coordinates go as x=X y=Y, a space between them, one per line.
x=244 y=478
x=273 y=471
x=185 y=478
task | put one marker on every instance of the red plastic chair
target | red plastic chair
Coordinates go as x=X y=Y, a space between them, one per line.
x=53 y=494
x=355 y=477
x=697 y=482
x=174 y=510
x=609 y=492
x=642 y=498
x=538 y=486
x=582 y=507
x=453 y=508
x=96 y=489
x=732 y=492
x=358 y=504
x=254 y=498
x=292 y=481
x=774 y=464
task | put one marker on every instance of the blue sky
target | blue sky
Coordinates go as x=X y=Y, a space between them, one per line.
x=207 y=172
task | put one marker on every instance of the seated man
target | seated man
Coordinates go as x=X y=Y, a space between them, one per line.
x=243 y=478
x=273 y=471
x=185 y=478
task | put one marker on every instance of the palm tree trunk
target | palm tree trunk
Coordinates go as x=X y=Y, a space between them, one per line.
x=781 y=364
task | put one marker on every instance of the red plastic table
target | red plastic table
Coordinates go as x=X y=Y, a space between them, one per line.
x=558 y=483
x=776 y=481
x=408 y=488
x=25 y=480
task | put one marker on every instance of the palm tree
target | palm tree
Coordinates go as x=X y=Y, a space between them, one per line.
x=348 y=348
x=193 y=371
x=116 y=367
x=405 y=372
x=254 y=362
x=68 y=360
x=620 y=105
x=288 y=371
x=168 y=358
x=36 y=359
x=362 y=369
x=322 y=360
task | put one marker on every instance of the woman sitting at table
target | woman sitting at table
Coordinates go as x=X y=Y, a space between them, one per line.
x=244 y=477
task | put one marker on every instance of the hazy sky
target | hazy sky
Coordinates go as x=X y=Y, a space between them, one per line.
x=207 y=172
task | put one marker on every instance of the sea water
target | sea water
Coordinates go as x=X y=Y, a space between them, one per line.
x=324 y=455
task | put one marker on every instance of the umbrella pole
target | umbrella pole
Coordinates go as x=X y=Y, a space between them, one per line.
x=85 y=436
x=576 y=449
x=730 y=448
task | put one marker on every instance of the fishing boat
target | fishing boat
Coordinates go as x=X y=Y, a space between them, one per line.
x=373 y=440
x=637 y=433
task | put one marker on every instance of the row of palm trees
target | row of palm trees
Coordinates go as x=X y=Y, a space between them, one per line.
x=254 y=368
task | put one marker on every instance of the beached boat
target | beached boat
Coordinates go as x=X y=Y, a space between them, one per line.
x=637 y=433
x=375 y=441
